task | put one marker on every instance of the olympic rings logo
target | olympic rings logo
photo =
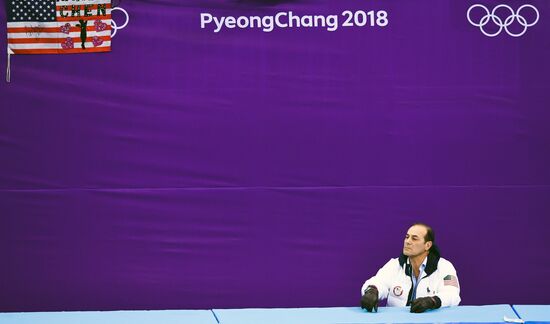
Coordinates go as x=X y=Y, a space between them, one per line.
x=114 y=26
x=490 y=15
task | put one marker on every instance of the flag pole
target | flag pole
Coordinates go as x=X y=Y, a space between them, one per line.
x=8 y=69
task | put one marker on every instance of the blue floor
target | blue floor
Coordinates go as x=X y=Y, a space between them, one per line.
x=533 y=313
x=116 y=317
x=461 y=314
x=331 y=315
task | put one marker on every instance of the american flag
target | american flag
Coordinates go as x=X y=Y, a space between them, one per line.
x=57 y=27
x=450 y=280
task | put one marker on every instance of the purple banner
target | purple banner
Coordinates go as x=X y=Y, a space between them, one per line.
x=273 y=154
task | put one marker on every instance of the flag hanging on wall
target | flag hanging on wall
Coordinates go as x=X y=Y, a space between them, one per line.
x=58 y=26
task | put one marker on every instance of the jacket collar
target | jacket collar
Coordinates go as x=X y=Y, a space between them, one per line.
x=431 y=264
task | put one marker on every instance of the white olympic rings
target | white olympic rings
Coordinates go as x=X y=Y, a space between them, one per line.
x=503 y=24
x=114 y=26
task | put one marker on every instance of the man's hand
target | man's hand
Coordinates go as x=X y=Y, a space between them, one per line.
x=421 y=305
x=369 y=301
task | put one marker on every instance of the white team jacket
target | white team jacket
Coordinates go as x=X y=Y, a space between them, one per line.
x=394 y=282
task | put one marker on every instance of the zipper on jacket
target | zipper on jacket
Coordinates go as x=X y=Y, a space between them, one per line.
x=412 y=283
x=413 y=287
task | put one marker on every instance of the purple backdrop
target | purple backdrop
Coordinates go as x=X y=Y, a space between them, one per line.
x=193 y=169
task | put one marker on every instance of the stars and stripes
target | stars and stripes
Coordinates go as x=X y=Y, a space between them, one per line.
x=27 y=10
x=450 y=280
x=59 y=26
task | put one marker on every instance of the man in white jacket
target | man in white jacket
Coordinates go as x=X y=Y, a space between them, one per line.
x=419 y=278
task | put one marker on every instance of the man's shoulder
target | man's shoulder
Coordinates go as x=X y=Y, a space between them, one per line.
x=393 y=262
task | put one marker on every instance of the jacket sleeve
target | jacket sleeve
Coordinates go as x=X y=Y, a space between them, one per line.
x=449 y=291
x=383 y=279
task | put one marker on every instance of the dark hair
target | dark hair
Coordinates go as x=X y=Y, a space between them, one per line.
x=430 y=235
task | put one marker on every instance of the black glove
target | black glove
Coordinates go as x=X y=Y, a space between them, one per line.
x=421 y=305
x=369 y=301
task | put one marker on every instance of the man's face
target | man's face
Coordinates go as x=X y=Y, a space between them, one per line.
x=415 y=243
